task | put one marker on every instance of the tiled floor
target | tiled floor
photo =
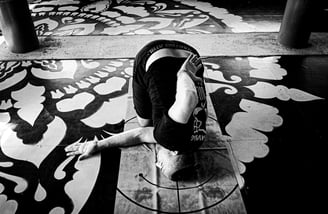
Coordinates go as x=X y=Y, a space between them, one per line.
x=272 y=107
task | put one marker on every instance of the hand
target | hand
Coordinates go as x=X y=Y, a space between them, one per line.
x=191 y=65
x=85 y=150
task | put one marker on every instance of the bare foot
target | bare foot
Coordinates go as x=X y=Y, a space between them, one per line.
x=186 y=97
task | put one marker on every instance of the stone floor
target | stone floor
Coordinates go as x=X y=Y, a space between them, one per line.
x=271 y=104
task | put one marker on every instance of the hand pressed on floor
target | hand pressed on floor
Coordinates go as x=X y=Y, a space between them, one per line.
x=85 y=150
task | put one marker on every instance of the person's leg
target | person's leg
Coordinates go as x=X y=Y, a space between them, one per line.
x=186 y=97
x=184 y=126
x=141 y=99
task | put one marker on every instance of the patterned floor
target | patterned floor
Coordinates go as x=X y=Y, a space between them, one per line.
x=61 y=18
x=271 y=107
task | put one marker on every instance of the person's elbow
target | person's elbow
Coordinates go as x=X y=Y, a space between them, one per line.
x=146 y=135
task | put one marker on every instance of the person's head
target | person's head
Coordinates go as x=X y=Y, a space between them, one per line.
x=174 y=165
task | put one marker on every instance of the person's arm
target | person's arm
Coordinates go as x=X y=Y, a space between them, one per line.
x=124 y=139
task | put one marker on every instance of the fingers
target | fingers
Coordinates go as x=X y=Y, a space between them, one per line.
x=74 y=149
x=82 y=157
x=195 y=61
x=73 y=153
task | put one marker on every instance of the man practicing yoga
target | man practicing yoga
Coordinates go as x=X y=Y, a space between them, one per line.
x=170 y=100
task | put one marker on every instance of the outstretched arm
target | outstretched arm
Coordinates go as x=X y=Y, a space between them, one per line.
x=124 y=139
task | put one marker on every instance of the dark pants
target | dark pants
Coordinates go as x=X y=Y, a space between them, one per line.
x=154 y=89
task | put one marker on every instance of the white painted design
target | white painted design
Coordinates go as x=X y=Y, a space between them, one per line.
x=266 y=90
x=47 y=64
x=90 y=64
x=212 y=72
x=111 y=85
x=78 y=101
x=75 y=29
x=42 y=9
x=2 y=188
x=97 y=6
x=69 y=8
x=40 y=193
x=21 y=183
x=133 y=10
x=4 y=123
x=82 y=84
x=302 y=96
x=228 y=89
x=126 y=20
x=245 y=128
x=2 y=39
x=71 y=20
x=129 y=71
x=45 y=6
x=57 y=210
x=60 y=173
x=101 y=74
x=68 y=71
x=29 y=101
x=115 y=63
x=248 y=142
x=4 y=118
x=111 y=14
x=92 y=79
x=70 y=89
x=105 y=115
x=188 y=23
x=7 y=206
x=13 y=147
x=13 y=80
x=266 y=68
x=162 y=22
x=57 y=94
x=29 y=109
x=47 y=22
x=6 y=164
x=233 y=21
x=80 y=187
x=122 y=18
x=8 y=67
x=109 y=69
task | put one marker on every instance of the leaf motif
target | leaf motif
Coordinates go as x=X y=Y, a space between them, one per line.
x=29 y=110
x=212 y=87
x=302 y=96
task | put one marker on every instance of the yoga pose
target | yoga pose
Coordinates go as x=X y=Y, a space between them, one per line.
x=170 y=101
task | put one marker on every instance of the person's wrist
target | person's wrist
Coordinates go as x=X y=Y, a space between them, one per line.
x=181 y=71
x=96 y=145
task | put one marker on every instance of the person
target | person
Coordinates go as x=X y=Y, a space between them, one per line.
x=170 y=101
